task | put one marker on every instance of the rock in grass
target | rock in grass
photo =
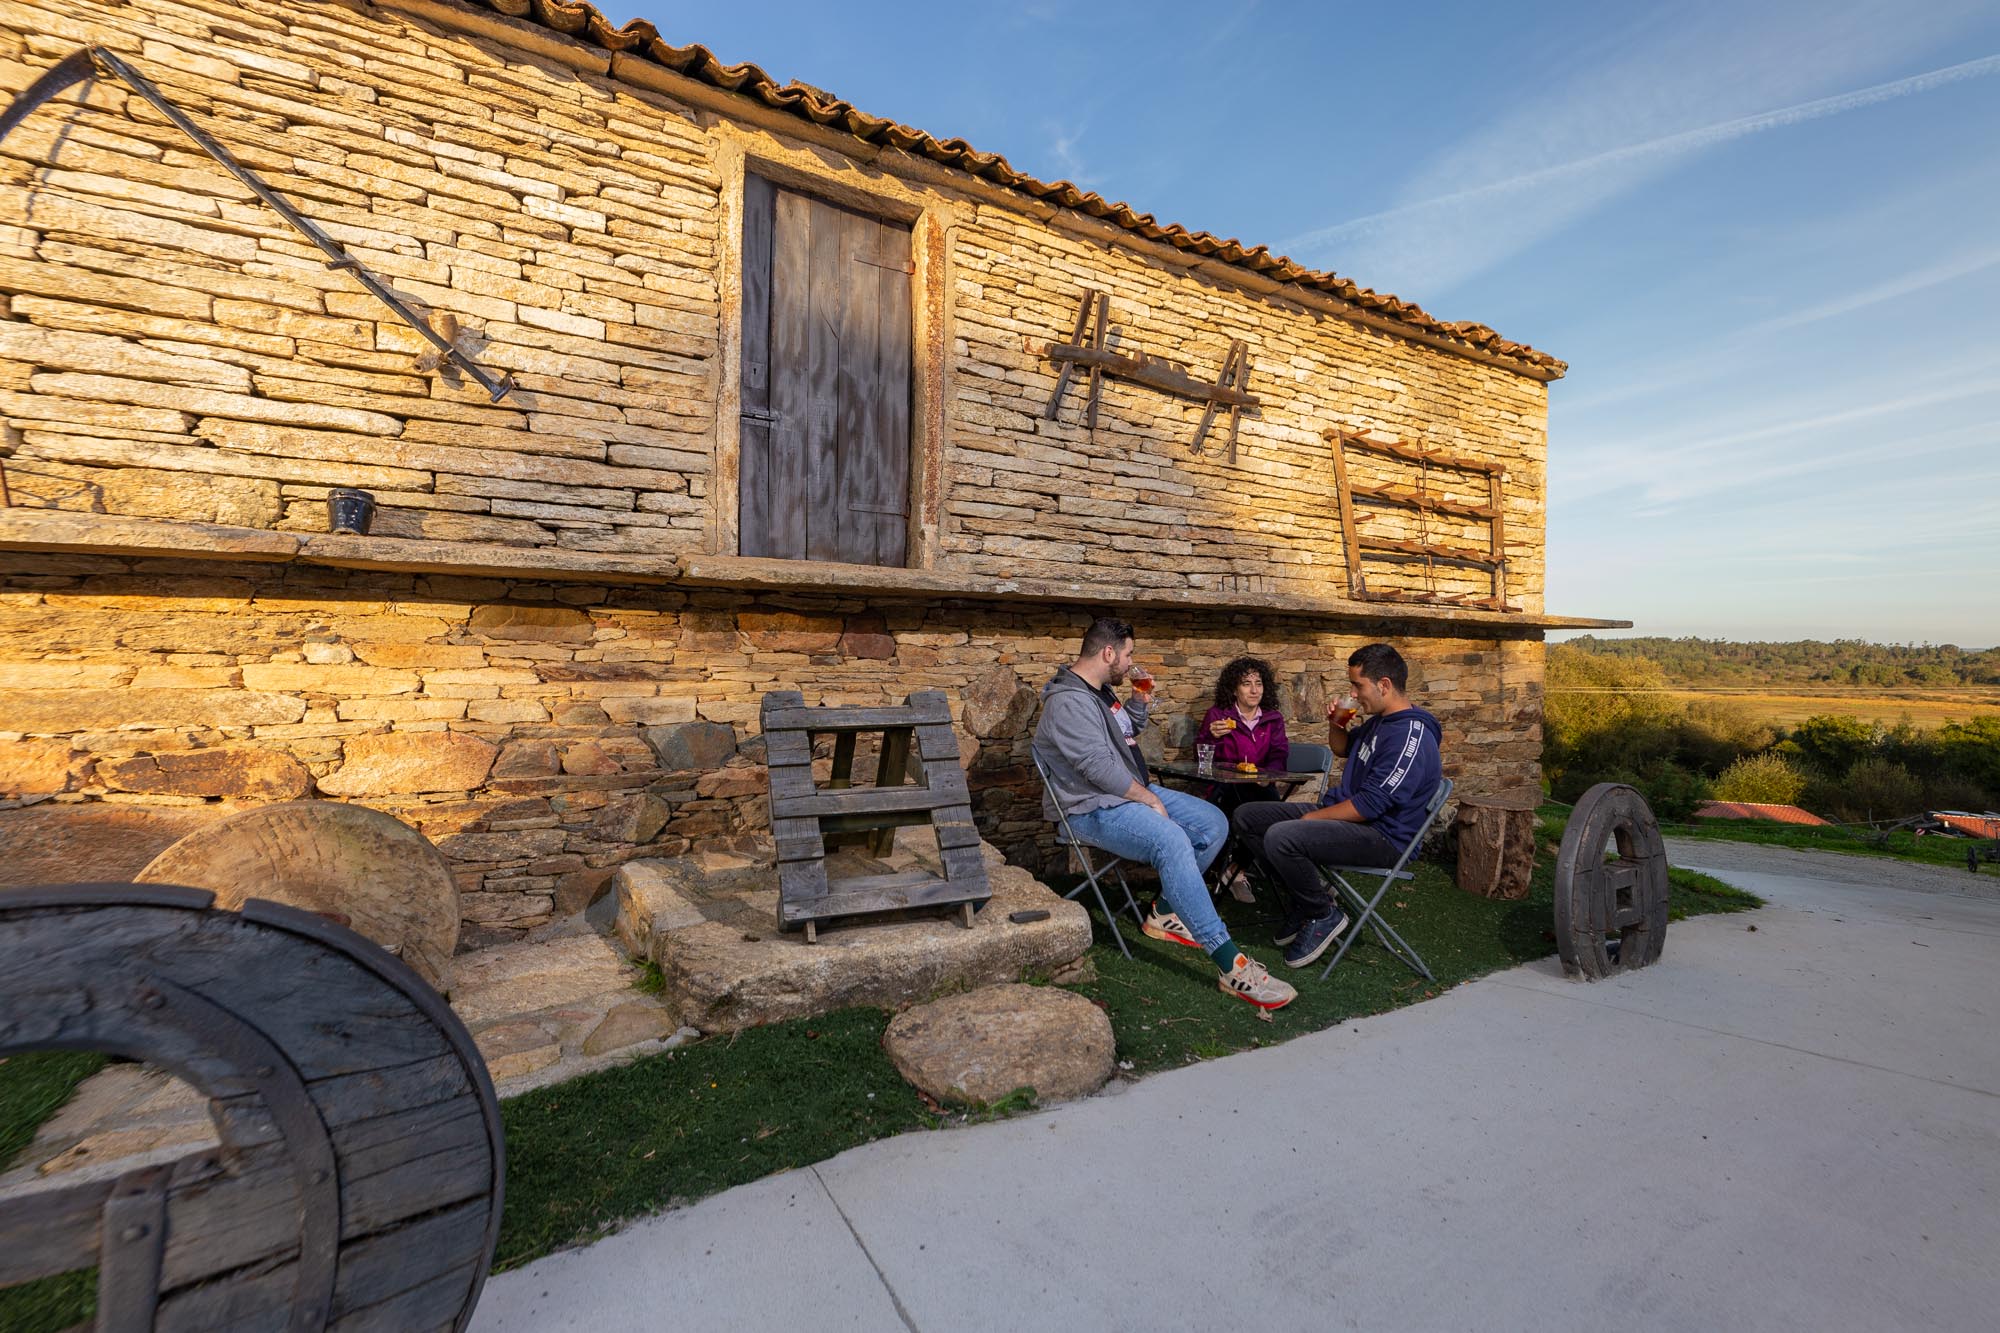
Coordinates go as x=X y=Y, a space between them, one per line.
x=978 y=1047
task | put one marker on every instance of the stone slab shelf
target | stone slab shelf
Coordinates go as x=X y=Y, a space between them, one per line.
x=70 y=533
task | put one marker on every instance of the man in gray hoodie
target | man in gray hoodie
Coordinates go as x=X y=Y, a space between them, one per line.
x=1088 y=742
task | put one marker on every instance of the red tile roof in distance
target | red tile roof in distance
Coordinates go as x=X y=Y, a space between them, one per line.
x=1972 y=826
x=1780 y=814
x=586 y=23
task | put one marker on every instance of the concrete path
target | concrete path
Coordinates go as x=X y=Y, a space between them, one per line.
x=1791 y=1126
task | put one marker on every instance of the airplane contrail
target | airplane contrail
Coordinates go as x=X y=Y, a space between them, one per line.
x=1686 y=141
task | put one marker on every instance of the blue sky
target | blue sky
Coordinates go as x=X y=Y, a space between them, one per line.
x=1765 y=237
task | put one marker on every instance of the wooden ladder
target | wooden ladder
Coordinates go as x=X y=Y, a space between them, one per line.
x=918 y=743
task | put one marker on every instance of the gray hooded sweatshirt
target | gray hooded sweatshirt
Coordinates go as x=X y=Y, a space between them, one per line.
x=1083 y=748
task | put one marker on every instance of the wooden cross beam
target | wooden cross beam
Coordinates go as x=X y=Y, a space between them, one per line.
x=1087 y=347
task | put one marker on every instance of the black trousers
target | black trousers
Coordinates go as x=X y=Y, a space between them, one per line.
x=1278 y=837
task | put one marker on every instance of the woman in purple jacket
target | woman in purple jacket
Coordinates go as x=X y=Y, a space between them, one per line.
x=1245 y=727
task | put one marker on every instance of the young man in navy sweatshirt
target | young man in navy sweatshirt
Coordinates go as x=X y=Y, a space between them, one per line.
x=1393 y=767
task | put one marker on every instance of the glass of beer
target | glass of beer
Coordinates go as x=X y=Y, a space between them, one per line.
x=1343 y=711
x=1142 y=681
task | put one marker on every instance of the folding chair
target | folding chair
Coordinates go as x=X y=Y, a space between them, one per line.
x=1363 y=909
x=1093 y=875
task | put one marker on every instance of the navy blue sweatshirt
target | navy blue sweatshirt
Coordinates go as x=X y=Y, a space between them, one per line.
x=1393 y=766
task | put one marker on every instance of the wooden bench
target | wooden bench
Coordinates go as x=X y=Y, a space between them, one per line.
x=358 y=1178
x=918 y=744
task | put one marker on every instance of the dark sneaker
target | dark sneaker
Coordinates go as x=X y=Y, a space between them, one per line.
x=1287 y=932
x=1313 y=937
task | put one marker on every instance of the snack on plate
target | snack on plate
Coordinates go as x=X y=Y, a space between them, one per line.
x=1246 y=768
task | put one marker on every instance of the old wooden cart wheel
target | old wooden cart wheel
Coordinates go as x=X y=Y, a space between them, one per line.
x=1611 y=914
x=358 y=1178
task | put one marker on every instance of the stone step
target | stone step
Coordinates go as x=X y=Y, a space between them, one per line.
x=713 y=930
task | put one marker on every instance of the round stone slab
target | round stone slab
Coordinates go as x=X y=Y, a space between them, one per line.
x=979 y=1046
x=376 y=874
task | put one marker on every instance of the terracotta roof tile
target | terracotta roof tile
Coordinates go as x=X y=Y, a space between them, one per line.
x=1781 y=814
x=586 y=23
x=1972 y=826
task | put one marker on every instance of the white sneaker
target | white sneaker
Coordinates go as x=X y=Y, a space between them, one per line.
x=1253 y=983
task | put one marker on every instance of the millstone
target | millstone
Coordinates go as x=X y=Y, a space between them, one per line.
x=374 y=873
x=979 y=1046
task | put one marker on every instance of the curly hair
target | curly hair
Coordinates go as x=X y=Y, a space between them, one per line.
x=1232 y=676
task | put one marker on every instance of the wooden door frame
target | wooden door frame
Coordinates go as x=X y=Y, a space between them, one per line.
x=853 y=185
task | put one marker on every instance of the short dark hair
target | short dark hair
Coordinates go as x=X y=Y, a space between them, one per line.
x=1104 y=632
x=1378 y=661
x=1232 y=676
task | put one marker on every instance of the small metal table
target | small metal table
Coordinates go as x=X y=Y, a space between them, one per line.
x=1284 y=780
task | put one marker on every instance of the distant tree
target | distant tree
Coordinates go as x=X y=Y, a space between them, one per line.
x=1879 y=789
x=1831 y=743
x=1764 y=779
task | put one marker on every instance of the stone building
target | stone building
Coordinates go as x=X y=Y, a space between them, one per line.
x=777 y=419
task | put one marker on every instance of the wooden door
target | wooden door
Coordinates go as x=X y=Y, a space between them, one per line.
x=825 y=470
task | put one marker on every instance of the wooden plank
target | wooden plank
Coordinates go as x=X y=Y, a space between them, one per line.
x=890 y=771
x=790 y=784
x=857 y=719
x=791 y=387
x=1069 y=365
x=754 y=467
x=878 y=893
x=1357 y=582
x=870 y=821
x=1151 y=372
x=895 y=356
x=843 y=761
x=1397 y=495
x=1097 y=337
x=49 y=1231
x=799 y=882
x=855 y=373
x=936 y=740
x=863 y=801
x=964 y=867
x=798 y=839
x=955 y=826
x=787 y=748
x=1457 y=555
x=1433 y=457
x=828 y=303
x=1498 y=537
x=945 y=775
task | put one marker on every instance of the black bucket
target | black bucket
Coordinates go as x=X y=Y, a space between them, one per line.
x=349 y=511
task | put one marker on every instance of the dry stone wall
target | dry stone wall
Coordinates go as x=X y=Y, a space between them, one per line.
x=541 y=735
x=170 y=348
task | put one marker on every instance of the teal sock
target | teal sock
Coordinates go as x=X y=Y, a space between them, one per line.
x=1224 y=955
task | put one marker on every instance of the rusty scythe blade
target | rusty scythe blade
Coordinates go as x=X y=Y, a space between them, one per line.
x=90 y=61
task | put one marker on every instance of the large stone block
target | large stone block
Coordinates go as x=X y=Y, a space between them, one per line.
x=34 y=768
x=404 y=763
x=980 y=1046
x=697 y=746
x=233 y=772
x=537 y=624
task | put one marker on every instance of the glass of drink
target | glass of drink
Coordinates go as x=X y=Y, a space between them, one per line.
x=1142 y=681
x=1343 y=712
x=1204 y=760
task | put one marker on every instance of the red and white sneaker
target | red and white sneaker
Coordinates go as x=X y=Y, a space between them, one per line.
x=1167 y=926
x=1251 y=982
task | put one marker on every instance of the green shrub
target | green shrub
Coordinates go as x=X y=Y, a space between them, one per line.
x=1763 y=779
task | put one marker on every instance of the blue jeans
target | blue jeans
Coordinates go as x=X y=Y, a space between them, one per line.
x=1181 y=848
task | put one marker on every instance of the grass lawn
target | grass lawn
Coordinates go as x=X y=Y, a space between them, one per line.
x=587 y=1154
x=34 y=1087
x=598 y=1150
